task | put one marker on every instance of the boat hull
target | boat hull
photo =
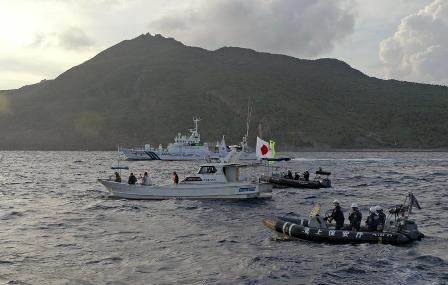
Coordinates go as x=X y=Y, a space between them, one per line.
x=188 y=191
x=139 y=154
x=247 y=156
x=284 y=182
x=300 y=229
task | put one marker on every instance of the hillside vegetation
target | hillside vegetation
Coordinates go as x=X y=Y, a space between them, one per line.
x=147 y=89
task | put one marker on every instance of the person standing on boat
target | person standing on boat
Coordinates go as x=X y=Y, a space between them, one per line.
x=372 y=220
x=296 y=176
x=132 y=179
x=306 y=175
x=355 y=218
x=117 y=177
x=175 y=178
x=336 y=215
x=145 y=179
x=381 y=218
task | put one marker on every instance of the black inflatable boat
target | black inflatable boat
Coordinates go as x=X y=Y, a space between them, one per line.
x=289 y=178
x=397 y=230
x=285 y=179
x=285 y=182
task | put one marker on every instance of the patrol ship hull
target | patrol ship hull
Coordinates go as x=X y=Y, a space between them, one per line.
x=141 y=154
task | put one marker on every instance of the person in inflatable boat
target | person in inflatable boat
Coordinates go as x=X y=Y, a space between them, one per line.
x=336 y=215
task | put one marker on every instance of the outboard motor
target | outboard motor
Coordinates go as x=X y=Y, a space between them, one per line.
x=326 y=182
x=410 y=229
x=398 y=219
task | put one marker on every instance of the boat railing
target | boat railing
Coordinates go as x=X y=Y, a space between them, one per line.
x=121 y=149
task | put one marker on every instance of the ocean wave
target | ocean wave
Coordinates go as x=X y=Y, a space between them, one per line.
x=7 y=215
x=432 y=260
x=67 y=223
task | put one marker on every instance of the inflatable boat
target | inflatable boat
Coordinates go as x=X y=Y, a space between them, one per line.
x=282 y=182
x=286 y=179
x=398 y=229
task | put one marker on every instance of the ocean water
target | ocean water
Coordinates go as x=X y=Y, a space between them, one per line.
x=59 y=226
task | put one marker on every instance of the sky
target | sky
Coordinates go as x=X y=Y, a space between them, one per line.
x=399 y=39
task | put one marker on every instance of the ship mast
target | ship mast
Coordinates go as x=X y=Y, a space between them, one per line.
x=194 y=132
x=250 y=106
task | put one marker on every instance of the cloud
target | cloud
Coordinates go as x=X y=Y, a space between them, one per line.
x=71 y=39
x=297 y=27
x=418 y=50
x=75 y=38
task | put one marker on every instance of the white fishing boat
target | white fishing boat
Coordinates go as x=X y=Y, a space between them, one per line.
x=183 y=148
x=214 y=180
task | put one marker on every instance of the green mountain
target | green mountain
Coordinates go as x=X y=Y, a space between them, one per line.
x=147 y=89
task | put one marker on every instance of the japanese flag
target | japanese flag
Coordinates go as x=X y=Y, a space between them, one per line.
x=263 y=150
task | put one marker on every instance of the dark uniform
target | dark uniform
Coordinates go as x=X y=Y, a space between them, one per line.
x=306 y=176
x=296 y=176
x=132 y=179
x=338 y=216
x=372 y=222
x=381 y=220
x=355 y=218
x=175 y=178
x=117 y=177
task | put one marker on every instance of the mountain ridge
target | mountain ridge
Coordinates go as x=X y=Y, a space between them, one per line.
x=147 y=89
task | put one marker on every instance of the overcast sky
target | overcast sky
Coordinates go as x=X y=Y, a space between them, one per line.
x=401 y=39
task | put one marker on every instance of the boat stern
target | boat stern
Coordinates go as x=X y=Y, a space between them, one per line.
x=265 y=188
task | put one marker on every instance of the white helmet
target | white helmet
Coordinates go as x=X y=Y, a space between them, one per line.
x=336 y=201
x=354 y=205
x=378 y=208
x=372 y=209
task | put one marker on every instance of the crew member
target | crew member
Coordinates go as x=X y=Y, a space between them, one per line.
x=381 y=218
x=132 y=179
x=306 y=176
x=355 y=218
x=145 y=179
x=372 y=220
x=117 y=177
x=336 y=215
x=175 y=178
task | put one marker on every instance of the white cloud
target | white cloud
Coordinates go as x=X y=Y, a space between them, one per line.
x=40 y=39
x=56 y=35
x=418 y=51
x=296 y=27
x=43 y=38
x=70 y=39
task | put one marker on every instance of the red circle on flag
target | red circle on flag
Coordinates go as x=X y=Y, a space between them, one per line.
x=264 y=149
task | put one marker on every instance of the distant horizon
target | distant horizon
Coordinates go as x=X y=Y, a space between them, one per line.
x=305 y=150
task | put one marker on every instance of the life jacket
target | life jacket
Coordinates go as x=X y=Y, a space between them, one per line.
x=337 y=215
x=372 y=222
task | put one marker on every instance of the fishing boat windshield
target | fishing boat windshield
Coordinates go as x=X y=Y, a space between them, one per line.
x=207 y=170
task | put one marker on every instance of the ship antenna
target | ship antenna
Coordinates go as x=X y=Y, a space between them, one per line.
x=250 y=105
x=194 y=132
